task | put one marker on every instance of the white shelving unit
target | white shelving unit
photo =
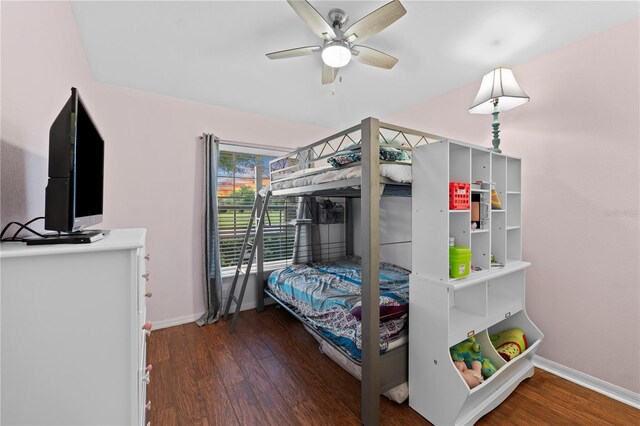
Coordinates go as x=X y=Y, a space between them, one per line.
x=445 y=311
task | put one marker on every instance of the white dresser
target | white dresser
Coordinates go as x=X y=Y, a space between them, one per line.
x=73 y=323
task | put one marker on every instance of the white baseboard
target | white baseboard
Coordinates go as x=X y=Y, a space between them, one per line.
x=172 y=322
x=185 y=319
x=597 y=385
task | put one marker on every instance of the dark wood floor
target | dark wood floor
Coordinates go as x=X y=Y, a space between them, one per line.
x=271 y=372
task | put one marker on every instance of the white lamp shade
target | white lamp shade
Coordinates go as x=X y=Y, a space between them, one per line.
x=499 y=84
x=336 y=54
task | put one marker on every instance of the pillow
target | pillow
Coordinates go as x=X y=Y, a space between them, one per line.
x=396 y=172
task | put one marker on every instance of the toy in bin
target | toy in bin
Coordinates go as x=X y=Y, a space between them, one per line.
x=509 y=343
x=468 y=360
x=459 y=195
x=459 y=260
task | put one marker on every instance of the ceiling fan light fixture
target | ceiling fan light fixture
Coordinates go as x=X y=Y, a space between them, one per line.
x=336 y=54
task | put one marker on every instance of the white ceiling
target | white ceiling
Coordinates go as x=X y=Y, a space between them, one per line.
x=214 y=52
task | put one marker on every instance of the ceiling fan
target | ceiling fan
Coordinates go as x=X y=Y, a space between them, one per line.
x=340 y=46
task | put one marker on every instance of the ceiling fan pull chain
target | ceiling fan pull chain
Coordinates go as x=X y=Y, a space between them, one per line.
x=333 y=85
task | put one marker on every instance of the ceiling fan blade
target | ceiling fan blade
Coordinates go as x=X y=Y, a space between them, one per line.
x=313 y=19
x=329 y=74
x=376 y=58
x=292 y=53
x=375 y=22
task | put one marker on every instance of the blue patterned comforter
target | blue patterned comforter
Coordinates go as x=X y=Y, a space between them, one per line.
x=328 y=295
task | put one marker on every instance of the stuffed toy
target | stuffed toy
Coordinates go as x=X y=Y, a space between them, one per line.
x=509 y=343
x=469 y=351
x=473 y=376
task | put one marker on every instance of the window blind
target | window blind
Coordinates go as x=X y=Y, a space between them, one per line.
x=236 y=196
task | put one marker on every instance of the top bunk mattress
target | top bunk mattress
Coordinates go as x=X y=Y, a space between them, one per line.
x=400 y=173
x=328 y=295
x=395 y=165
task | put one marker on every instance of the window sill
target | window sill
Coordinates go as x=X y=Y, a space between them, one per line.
x=229 y=271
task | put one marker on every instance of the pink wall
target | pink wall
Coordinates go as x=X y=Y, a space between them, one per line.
x=153 y=179
x=153 y=164
x=578 y=137
x=41 y=59
x=580 y=143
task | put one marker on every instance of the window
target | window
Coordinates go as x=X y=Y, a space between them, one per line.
x=236 y=195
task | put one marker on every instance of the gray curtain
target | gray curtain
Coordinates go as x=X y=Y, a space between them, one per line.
x=306 y=244
x=210 y=233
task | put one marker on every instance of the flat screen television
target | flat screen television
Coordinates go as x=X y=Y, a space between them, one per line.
x=74 y=194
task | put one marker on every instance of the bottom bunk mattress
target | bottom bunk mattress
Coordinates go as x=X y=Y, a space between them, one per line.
x=328 y=296
x=398 y=393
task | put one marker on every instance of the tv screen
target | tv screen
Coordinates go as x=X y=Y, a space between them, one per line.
x=74 y=194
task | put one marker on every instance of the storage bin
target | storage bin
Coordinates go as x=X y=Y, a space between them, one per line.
x=520 y=320
x=488 y=352
x=459 y=195
x=459 y=261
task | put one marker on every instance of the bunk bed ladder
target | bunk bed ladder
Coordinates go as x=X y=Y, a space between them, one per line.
x=242 y=258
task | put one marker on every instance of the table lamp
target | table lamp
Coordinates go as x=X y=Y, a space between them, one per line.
x=498 y=92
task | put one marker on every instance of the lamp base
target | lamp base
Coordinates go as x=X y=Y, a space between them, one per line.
x=496 y=128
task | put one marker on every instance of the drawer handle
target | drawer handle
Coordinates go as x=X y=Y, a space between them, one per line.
x=148 y=294
x=147 y=378
x=148 y=406
x=148 y=368
x=146 y=276
x=507 y=315
x=471 y=333
x=147 y=257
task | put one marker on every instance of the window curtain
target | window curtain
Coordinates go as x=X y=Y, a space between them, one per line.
x=306 y=243
x=210 y=232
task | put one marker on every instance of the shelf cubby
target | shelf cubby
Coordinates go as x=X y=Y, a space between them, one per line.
x=499 y=177
x=514 y=210
x=481 y=250
x=514 y=245
x=467 y=313
x=499 y=237
x=514 y=173
x=460 y=227
x=459 y=163
x=480 y=165
x=505 y=296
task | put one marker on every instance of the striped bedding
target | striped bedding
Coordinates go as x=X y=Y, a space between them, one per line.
x=328 y=296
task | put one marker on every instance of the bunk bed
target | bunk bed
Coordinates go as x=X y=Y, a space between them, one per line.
x=373 y=161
